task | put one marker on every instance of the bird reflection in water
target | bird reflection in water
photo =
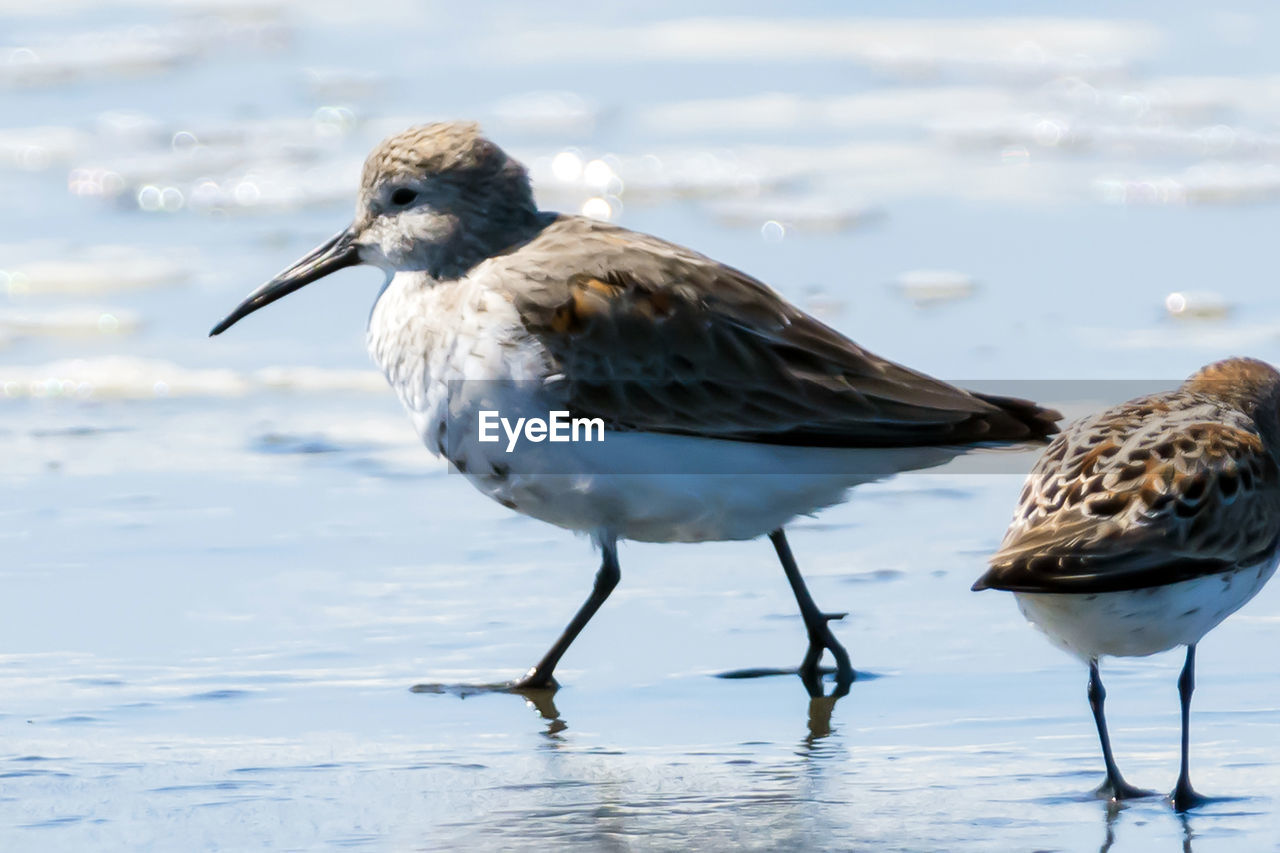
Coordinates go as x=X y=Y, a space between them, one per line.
x=820 y=708
x=1113 y=810
x=540 y=699
x=813 y=680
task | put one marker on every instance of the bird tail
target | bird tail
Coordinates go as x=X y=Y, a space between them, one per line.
x=1038 y=421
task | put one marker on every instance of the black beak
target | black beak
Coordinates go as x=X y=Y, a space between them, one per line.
x=336 y=253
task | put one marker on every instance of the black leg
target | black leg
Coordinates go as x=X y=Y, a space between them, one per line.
x=1115 y=788
x=816 y=623
x=1184 y=796
x=540 y=677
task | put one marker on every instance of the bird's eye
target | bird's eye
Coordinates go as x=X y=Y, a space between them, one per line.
x=403 y=196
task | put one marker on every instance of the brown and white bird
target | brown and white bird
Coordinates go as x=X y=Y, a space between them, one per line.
x=727 y=411
x=1144 y=526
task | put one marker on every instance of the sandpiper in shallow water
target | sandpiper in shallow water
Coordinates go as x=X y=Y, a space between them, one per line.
x=1144 y=526
x=729 y=411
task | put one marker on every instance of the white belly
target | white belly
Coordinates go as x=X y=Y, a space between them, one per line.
x=667 y=488
x=1140 y=622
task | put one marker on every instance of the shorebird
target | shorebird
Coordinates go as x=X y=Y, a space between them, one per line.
x=728 y=411
x=1145 y=525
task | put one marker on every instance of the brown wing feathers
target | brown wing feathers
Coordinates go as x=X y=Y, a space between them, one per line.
x=679 y=343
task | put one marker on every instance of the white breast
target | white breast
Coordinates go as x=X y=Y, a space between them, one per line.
x=1140 y=622
x=442 y=344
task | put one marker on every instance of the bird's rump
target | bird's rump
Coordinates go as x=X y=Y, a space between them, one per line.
x=651 y=336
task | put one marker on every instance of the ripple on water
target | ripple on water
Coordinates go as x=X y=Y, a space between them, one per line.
x=219 y=695
x=56 y=822
x=874 y=576
x=296 y=768
x=222 y=785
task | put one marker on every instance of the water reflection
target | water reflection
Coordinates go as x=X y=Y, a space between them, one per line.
x=820 y=708
x=1187 y=821
x=1111 y=814
x=814 y=684
x=541 y=700
x=1187 y=834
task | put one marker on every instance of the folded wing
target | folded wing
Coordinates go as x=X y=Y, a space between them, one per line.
x=651 y=336
x=1108 y=508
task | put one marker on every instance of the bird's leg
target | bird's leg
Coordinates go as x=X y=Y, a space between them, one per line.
x=540 y=676
x=816 y=623
x=1184 y=796
x=1115 y=788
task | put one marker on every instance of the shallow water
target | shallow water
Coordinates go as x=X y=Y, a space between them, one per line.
x=228 y=560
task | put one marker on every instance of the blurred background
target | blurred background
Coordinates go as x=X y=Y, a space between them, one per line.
x=227 y=560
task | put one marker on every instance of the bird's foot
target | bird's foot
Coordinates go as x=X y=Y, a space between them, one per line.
x=821 y=639
x=1184 y=797
x=534 y=679
x=1117 y=790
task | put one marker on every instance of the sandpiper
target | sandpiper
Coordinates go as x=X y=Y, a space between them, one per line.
x=1144 y=526
x=728 y=411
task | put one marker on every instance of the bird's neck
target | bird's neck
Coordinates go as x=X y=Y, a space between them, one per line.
x=467 y=246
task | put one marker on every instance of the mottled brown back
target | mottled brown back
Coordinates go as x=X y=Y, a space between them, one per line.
x=1154 y=491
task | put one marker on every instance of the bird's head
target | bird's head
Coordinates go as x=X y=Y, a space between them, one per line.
x=437 y=198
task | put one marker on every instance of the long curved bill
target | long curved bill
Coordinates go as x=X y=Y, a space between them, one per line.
x=338 y=252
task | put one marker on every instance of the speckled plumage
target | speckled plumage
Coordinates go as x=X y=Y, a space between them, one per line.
x=1161 y=489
